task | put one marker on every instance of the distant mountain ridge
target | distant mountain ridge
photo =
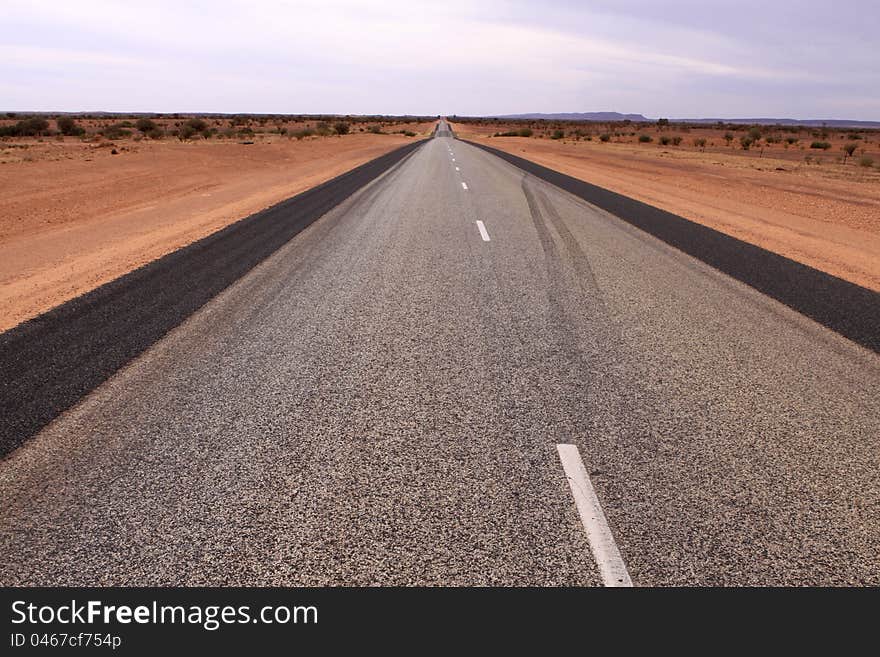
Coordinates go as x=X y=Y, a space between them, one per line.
x=640 y=118
x=578 y=116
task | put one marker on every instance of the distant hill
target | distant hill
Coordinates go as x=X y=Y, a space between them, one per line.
x=831 y=123
x=579 y=116
x=640 y=118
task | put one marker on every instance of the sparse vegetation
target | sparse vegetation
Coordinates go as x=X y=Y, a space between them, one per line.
x=605 y=137
x=866 y=161
x=557 y=134
x=31 y=127
x=823 y=145
x=342 y=128
x=849 y=150
x=69 y=127
x=746 y=143
x=700 y=143
x=645 y=139
x=145 y=125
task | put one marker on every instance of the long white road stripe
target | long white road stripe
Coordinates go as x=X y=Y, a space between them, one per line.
x=483 y=232
x=605 y=551
x=464 y=185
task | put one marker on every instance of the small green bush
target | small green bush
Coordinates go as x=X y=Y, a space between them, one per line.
x=145 y=125
x=664 y=140
x=67 y=126
x=557 y=134
x=197 y=125
x=676 y=141
x=645 y=139
x=866 y=162
x=342 y=128
x=700 y=143
x=375 y=129
x=525 y=132
x=604 y=137
x=746 y=143
x=823 y=145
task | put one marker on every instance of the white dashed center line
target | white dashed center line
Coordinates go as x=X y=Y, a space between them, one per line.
x=605 y=550
x=464 y=186
x=483 y=232
x=457 y=169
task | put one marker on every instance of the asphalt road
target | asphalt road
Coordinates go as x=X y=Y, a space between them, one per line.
x=380 y=402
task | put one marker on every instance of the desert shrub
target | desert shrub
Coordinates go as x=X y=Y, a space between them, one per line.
x=155 y=133
x=67 y=126
x=854 y=136
x=754 y=133
x=145 y=125
x=186 y=132
x=605 y=137
x=525 y=132
x=746 y=142
x=408 y=133
x=676 y=141
x=866 y=161
x=375 y=129
x=26 y=128
x=824 y=145
x=323 y=128
x=700 y=143
x=728 y=137
x=791 y=140
x=196 y=124
x=341 y=128
x=305 y=132
x=116 y=131
x=557 y=134
x=848 y=151
x=645 y=139
x=664 y=140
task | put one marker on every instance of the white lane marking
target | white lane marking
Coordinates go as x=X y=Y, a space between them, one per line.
x=483 y=232
x=457 y=169
x=464 y=186
x=605 y=550
x=453 y=159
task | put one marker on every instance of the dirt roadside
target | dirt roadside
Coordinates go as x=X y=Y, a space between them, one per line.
x=74 y=216
x=827 y=216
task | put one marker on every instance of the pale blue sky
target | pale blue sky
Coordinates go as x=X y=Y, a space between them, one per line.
x=680 y=58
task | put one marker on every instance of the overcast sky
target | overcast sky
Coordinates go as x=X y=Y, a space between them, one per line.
x=681 y=58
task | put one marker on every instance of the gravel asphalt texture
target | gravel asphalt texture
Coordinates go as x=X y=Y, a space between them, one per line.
x=379 y=402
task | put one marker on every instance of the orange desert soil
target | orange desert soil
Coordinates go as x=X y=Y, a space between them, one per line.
x=74 y=216
x=826 y=216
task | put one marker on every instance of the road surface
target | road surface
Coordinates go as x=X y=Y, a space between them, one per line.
x=381 y=401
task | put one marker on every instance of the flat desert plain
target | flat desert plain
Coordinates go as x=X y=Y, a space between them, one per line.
x=800 y=202
x=77 y=212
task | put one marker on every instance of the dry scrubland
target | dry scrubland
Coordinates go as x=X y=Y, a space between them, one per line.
x=81 y=209
x=793 y=190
